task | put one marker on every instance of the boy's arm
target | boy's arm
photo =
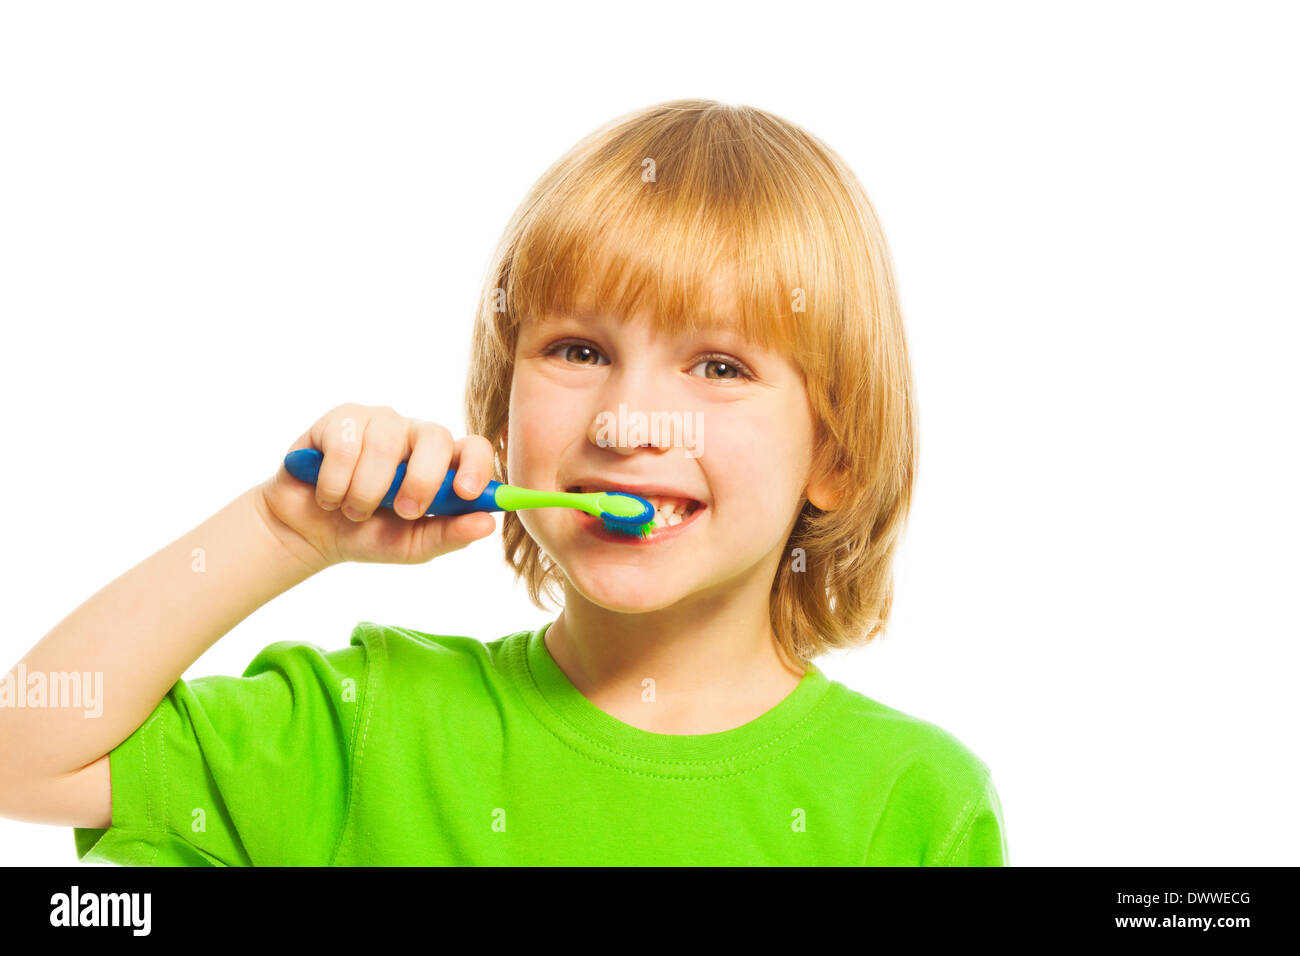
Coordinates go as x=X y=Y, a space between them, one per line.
x=135 y=637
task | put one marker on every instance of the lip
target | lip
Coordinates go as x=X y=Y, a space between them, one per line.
x=596 y=527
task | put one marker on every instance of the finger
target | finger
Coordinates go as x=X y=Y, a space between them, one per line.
x=474 y=463
x=384 y=446
x=452 y=533
x=303 y=441
x=431 y=450
x=282 y=476
x=338 y=435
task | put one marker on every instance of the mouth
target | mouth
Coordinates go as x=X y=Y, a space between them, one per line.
x=672 y=515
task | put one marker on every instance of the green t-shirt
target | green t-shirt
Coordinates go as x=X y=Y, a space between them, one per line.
x=407 y=748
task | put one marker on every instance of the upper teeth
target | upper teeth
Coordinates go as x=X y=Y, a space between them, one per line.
x=662 y=503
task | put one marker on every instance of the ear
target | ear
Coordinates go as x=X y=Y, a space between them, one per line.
x=825 y=493
x=825 y=483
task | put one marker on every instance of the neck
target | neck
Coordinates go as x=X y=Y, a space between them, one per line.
x=703 y=665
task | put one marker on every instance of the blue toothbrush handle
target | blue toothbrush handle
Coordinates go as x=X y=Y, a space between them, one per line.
x=304 y=464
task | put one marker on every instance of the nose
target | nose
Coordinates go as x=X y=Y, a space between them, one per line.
x=626 y=430
x=631 y=417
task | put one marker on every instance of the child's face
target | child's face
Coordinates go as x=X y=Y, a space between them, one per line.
x=743 y=450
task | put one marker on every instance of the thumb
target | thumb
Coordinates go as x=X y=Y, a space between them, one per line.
x=445 y=535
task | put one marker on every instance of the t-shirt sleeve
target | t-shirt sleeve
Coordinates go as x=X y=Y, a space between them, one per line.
x=940 y=809
x=978 y=836
x=239 y=771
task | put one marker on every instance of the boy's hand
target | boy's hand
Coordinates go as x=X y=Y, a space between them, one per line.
x=339 y=519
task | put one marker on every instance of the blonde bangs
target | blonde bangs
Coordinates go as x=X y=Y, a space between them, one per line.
x=670 y=223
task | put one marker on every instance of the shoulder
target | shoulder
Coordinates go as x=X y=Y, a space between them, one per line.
x=410 y=656
x=307 y=659
x=891 y=741
x=281 y=674
x=933 y=797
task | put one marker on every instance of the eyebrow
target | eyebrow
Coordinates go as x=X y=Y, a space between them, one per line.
x=717 y=330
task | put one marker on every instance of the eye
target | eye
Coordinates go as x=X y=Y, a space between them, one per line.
x=726 y=361
x=565 y=346
x=713 y=358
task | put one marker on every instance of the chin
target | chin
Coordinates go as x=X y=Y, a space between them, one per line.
x=624 y=590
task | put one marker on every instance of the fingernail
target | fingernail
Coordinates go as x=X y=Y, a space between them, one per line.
x=467 y=481
x=407 y=508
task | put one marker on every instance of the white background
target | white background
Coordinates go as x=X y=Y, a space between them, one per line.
x=218 y=221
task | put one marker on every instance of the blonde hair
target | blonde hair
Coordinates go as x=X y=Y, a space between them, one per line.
x=645 y=214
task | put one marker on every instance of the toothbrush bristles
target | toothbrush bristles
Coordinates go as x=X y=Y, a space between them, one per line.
x=640 y=530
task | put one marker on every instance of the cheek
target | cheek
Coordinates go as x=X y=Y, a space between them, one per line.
x=541 y=423
x=752 y=439
x=747 y=462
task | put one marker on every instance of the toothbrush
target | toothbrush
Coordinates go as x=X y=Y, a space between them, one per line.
x=621 y=512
